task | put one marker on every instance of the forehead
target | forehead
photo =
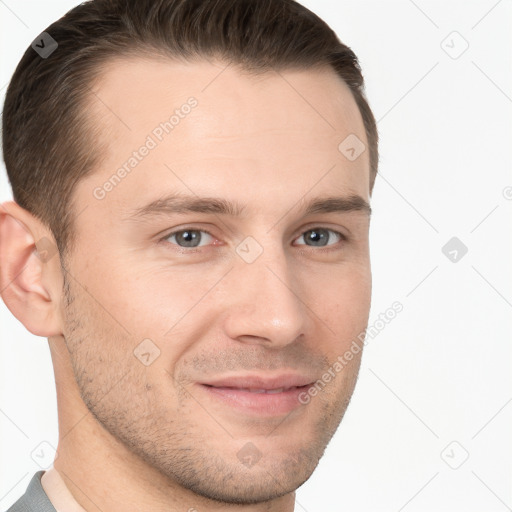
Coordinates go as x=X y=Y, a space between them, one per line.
x=279 y=131
x=149 y=81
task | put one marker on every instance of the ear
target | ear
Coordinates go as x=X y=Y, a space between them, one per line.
x=30 y=274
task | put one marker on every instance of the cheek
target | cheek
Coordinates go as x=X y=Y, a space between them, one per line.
x=141 y=298
x=344 y=302
x=161 y=304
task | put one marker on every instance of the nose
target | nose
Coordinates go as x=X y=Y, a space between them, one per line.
x=265 y=305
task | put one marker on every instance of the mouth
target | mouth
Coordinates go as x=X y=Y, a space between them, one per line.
x=256 y=395
x=256 y=390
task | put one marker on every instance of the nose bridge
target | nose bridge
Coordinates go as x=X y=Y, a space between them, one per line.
x=265 y=303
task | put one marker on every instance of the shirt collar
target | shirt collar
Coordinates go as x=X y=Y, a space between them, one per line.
x=58 y=493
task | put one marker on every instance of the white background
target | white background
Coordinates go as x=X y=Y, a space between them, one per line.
x=441 y=370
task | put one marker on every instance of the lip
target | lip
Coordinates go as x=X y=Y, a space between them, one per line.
x=288 y=380
x=257 y=394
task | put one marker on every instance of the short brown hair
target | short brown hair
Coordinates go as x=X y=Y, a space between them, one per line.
x=49 y=142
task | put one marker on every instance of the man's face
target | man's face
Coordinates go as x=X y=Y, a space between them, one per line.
x=164 y=329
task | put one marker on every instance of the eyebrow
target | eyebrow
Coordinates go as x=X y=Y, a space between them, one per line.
x=181 y=204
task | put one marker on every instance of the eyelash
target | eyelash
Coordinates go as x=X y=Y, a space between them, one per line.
x=188 y=250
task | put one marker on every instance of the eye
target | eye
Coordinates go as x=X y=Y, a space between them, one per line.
x=190 y=238
x=187 y=238
x=320 y=236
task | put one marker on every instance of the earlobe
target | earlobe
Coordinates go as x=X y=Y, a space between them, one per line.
x=22 y=267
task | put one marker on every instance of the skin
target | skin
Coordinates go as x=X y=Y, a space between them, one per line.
x=135 y=437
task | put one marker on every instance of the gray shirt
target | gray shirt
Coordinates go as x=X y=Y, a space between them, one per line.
x=34 y=499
